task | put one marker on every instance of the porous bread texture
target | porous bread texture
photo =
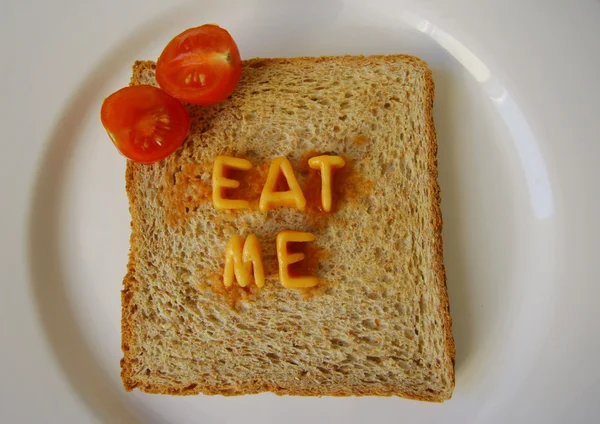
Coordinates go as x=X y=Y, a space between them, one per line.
x=377 y=324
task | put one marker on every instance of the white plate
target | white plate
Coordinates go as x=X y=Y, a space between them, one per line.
x=515 y=111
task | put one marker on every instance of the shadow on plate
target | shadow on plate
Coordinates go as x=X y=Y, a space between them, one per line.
x=455 y=247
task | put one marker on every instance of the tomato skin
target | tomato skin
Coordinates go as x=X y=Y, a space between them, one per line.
x=201 y=65
x=145 y=123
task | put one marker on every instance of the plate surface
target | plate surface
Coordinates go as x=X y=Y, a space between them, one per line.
x=517 y=141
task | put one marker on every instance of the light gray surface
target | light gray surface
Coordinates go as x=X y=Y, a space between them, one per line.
x=547 y=57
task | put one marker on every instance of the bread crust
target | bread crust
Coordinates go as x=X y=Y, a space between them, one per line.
x=130 y=285
x=438 y=265
x=255 y=388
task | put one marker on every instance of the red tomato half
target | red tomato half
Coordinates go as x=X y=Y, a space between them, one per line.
x=145 y=123
x=201 y=65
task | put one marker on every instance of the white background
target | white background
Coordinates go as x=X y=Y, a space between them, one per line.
x=544 y=53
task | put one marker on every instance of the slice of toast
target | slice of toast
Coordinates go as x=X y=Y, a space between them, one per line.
x=378 y=323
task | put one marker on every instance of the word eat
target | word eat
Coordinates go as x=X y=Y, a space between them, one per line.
x=241 y=258
x=270 y=198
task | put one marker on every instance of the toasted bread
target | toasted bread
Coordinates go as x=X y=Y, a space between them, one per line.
x=378 y=323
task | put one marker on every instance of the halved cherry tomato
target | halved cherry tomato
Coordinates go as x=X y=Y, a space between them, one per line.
x=201 y=65
x=145 y=123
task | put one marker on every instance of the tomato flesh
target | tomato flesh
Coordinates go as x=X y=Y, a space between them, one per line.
x=201 y=65
x=145 y=123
